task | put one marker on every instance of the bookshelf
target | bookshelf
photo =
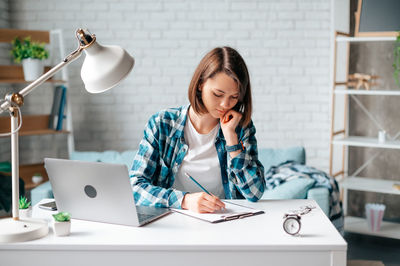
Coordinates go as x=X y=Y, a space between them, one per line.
x=340 y=137
x=15 y=75
x=33 y=125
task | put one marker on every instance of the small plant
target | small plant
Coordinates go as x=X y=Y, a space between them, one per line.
x=24 y=203
x=62 y=217
x=28 y=49
x=396 y=60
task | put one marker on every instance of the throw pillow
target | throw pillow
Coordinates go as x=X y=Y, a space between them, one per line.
x=293 y=189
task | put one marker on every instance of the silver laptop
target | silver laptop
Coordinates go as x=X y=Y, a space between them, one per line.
x=98 y=192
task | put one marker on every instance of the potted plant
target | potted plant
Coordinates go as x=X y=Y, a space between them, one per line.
x=31 y=55
x=396 y=60
x=37 y=178
x=25 y=208
x=62 y=224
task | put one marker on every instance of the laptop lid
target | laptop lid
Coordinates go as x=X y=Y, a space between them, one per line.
x=94 y=191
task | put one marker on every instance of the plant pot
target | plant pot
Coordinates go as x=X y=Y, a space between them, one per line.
x=61 y=228
x=36 y=179
x=25 y=213
x=33 y=68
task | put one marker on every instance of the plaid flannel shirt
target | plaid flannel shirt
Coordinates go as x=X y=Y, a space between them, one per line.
x=161 y=152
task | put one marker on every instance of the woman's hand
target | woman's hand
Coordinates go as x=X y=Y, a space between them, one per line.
x=201 y=202
x=230 y=121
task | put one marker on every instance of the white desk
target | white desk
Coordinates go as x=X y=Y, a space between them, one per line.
x=181 y=240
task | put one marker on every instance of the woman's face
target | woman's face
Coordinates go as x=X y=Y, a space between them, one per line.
x=219 y=94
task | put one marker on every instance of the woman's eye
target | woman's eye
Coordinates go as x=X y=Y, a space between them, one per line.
x=235 y=97
x=217 y=95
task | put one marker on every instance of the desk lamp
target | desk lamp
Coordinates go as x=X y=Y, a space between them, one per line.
x=103 y=68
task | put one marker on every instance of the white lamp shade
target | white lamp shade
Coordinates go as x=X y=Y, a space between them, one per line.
x=104 y=67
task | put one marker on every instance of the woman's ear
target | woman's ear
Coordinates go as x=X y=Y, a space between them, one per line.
x=198 y=93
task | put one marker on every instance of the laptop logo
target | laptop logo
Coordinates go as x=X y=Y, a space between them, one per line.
x=90 y=191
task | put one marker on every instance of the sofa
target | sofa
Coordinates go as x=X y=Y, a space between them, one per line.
x=299 y=188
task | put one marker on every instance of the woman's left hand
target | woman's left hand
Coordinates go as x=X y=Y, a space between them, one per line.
x=229 y=122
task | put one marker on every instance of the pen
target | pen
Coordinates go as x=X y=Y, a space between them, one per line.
x=197 y=183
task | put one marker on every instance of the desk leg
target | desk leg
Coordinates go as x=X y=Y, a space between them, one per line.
x=338 y=258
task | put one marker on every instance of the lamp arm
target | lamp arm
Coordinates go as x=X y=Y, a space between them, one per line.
x=11 y=104
x=66 y=61
x=39 y=81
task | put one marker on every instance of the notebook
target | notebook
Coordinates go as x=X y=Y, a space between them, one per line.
x=98 y=192
x=232 y=211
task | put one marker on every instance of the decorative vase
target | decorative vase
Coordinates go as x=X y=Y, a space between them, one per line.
x=62 y=228
x=33 y=68
x=36 y=179
x=25 y=213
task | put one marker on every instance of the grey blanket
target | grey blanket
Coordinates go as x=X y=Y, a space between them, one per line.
x=289 y=170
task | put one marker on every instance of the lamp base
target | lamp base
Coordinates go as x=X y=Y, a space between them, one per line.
x=22 y=230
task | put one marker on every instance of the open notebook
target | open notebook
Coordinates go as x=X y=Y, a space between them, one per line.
x=231 y=212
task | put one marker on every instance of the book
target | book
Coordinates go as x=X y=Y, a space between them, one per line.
x=53 y=118
x=61 y=109
x=232 y=211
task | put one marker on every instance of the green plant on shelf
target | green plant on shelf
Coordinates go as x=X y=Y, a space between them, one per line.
x=24 y=203
x=62 y=217
x=28 y=49
x=396 y=60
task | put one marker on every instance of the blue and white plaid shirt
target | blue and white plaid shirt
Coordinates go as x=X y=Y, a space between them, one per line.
x=163 y=148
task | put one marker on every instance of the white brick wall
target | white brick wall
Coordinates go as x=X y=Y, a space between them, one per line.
x=4 y=13
x=286 y=45
x=4 y=23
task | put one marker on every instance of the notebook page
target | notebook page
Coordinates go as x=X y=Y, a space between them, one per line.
x=231 y=210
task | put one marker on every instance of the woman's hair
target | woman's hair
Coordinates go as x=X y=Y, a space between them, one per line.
x=222 y=60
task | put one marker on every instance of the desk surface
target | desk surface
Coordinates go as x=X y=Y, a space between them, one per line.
x=177 y=231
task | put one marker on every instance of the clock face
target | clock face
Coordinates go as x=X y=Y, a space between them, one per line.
x=291 y=225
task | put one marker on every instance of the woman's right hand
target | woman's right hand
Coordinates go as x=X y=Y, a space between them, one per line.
x=202 y=202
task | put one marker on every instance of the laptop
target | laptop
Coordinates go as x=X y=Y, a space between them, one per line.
x=98 y=192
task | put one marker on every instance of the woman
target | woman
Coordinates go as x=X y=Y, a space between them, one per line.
x=212 y=139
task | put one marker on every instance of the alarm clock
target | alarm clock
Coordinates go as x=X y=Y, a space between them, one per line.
x=292 y=224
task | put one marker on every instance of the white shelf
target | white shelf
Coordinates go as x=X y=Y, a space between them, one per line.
x=365 y=39
x=371 y=185
x=370 y=92
x=367 y=142
x=359 y=225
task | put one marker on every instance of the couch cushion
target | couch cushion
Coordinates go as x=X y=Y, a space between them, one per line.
x=293 y=189
x=125 y=157
x=273 y=157
x=40 y=192
x=321 y=196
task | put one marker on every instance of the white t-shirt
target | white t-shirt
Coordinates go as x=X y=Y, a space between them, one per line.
x=201 y=162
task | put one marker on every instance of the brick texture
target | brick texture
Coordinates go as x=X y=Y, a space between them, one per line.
x=286 y=45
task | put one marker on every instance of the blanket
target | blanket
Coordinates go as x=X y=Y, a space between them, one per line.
x=289 y=170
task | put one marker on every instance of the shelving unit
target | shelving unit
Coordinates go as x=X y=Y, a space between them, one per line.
x=356 y=141
x=359 y=225
x=340 y=137
x=371 y=185
x=346 y=38
x=15 y=75
x=370 y=92
x=34 y=124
